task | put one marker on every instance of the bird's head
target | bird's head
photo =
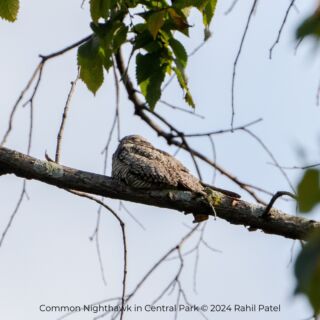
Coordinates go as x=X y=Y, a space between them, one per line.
x=135 y=140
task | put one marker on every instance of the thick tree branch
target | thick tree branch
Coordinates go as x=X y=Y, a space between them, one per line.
x=233 y=210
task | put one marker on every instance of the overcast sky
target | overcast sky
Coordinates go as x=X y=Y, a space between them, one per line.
x=48 y=258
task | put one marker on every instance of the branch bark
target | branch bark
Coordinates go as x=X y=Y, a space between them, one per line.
x=233 y=210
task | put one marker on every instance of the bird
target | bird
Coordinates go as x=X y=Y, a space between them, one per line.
x=138 y=164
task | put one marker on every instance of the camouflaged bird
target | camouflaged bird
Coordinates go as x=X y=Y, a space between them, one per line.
x=137 y=163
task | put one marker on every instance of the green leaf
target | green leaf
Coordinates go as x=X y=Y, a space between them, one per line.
x=206 y=7
x=112 y=34
x=307 y=271
x=91 y=64
x=208 y=12
x=99 y=9
x=199 y=4
x=155 y=22
x=150 y=73
x=9 y=9
x=184 y=86
x=309 y=190
x=179 y=51
x=309 y=27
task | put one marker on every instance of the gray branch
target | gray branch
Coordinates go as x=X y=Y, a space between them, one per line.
x=233 y=210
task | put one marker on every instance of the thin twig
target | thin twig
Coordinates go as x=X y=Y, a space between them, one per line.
x=277 y=195
x=122 y=206
x=30 y=101
x=15 y=211
x=64 y=116
x=297 y=167
x=116 y=84
x=233 y=4
x=192 y=112
x=281 y=28
x=15 y=106
x=184 y=140
x=66 y=49
x=263 y=145
x=235 y=64
x=222 y=131
x=95 y=236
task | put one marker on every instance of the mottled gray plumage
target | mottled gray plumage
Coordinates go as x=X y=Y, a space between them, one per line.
x=137 y=163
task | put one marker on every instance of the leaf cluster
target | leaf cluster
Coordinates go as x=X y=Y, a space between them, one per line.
x=153 y=41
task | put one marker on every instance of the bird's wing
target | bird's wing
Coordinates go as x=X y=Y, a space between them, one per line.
x=149 y=165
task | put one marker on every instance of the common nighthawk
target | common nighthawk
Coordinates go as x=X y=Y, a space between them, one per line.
x=137 y=163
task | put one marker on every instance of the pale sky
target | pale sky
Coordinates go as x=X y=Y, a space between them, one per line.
x=47 y=257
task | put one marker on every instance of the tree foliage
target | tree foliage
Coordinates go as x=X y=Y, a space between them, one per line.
x=151 y=31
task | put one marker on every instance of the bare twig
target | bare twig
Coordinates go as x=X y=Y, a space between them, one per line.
x=15 y=106
x=117 y=88
x=263 y=145
x=15 y=211
x=281 y=28
x=192 y=112
x=233 y=4
x=95 y=236
x=116 y=121
x=30 y=101
x=210 y=133
x=64 y=50
x=277 y=195
x=297 y=167
x=235 y=64
x=122 y=206
x=64 y=117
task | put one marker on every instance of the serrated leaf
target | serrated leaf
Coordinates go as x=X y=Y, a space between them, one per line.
x=155 y=21
x=184 y=86
x=9 y=9
x=309 y=190
x=150 y=73
x=91 y=64
x=208 y=12
x=179 y=51
x=307 y=271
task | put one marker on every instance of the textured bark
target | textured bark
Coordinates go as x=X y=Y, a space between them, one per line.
x=233 y=210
